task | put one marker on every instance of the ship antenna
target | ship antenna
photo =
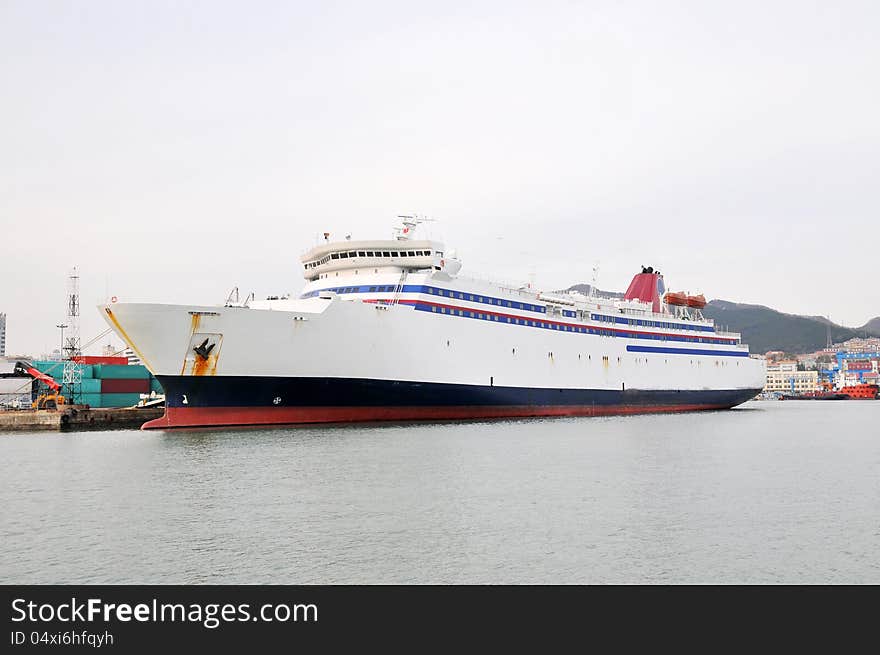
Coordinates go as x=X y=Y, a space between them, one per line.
x=595 y=278
x=408 y=223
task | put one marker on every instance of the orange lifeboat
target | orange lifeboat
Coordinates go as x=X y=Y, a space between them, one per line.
x=673 y=298
x=697 y=302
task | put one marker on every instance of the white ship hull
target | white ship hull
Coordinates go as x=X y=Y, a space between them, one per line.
x=420 y=351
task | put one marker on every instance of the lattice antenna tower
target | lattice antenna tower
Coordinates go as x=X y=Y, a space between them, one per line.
x=72 y=369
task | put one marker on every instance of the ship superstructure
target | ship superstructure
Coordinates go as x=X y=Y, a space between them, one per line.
x=391 y=330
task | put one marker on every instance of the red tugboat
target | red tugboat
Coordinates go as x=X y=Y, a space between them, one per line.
x=860 y=391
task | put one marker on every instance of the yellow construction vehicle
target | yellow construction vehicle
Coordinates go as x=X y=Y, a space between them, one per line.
x=51 y=400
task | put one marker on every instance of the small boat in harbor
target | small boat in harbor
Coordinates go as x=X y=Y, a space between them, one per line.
x=860 y=391
x=814 y=395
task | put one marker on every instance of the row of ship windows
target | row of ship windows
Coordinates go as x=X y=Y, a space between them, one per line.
x=486 y=300
x=646 y=323
x=561 y=328
x=370 y=253
x=514 y=305
x=439 y=292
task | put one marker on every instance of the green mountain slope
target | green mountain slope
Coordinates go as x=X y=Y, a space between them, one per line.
x=766 y=329
x=871 y=326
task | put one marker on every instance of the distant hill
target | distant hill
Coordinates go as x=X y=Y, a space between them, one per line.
x=871 y=326
x=766 y=329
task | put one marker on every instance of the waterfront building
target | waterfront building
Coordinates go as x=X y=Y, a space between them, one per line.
x=808 y=361
x=783 y=376
x=857 y=345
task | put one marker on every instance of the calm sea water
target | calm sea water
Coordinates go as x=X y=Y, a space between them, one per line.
x=770 y=492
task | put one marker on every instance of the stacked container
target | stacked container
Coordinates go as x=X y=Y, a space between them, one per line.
x=106 y=384
x=95 y=359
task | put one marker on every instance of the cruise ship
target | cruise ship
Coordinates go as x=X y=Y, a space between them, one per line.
x=391 y=330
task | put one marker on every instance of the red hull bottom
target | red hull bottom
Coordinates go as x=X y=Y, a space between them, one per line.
x=183 y=417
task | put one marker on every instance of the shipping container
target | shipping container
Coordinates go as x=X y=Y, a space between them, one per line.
x=111 y=399
x=91 y=399
x=115 y=371
x=53 y=369
x=155 y=385
x=56 y=369
x=120 y=399
x=116 y=385
x=96 y=359
x=90 y=385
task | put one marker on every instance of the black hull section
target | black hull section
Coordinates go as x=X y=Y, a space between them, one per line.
x=223 y=391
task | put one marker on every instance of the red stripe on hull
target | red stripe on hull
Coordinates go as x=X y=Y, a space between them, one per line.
x=179 y=417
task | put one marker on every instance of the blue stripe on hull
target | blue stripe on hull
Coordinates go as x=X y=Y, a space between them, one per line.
x=687 y=351
x=235 y=391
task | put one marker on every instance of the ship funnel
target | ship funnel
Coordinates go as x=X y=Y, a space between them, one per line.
x=646 y=287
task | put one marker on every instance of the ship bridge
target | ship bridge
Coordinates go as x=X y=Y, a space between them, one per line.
x=402 y=254
x=371 y=256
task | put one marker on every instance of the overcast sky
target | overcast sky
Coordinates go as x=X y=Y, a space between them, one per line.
x=172 y=150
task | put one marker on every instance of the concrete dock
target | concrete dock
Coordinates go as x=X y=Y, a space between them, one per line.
x=75 y=418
